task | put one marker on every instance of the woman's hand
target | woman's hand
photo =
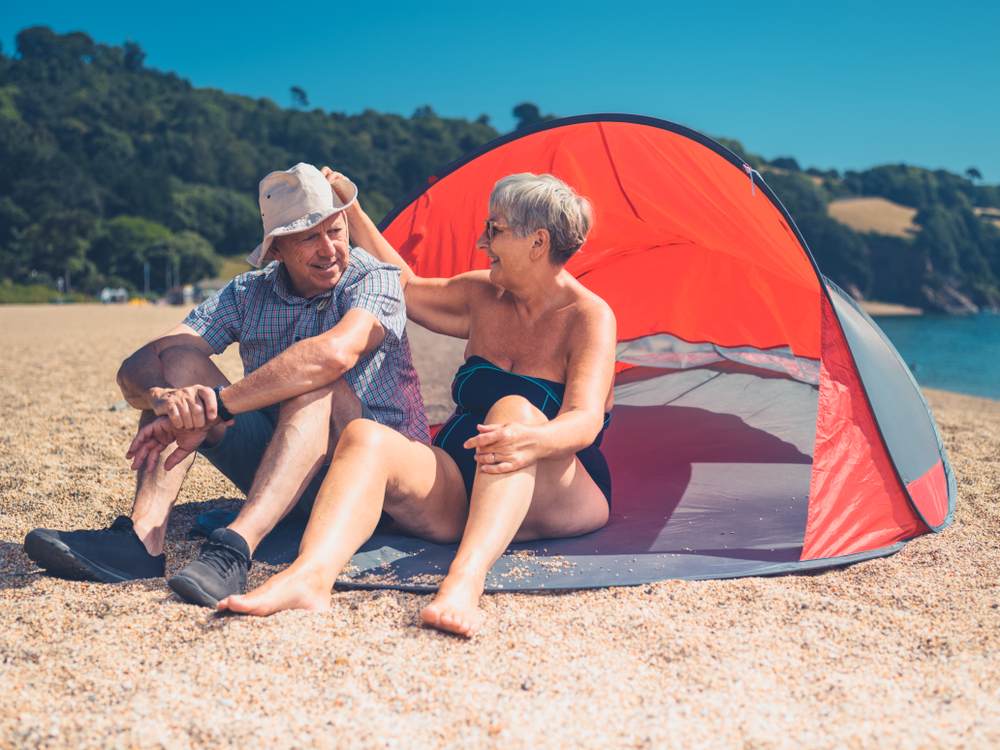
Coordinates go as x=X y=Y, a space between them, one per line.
x=502 y=448
x=342 y=186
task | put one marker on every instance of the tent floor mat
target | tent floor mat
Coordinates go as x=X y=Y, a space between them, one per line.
x=394 y=561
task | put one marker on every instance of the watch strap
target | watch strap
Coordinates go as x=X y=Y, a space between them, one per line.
x=224 y=414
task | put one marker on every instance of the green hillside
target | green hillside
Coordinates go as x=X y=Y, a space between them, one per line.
x=109 y=165
x=111 y=168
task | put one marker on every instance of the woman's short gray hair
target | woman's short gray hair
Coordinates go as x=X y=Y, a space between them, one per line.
x=541 y=201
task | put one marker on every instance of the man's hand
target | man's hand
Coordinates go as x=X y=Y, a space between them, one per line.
x=190 y=408
x=154 y=438
x=502 y=448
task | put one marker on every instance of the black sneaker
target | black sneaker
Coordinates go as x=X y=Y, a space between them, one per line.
x=220 y=570
x=103 y=555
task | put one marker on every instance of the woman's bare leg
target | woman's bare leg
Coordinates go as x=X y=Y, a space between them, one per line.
x=552 y=498
x=373 y=467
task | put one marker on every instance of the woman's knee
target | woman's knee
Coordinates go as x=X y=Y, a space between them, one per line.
x=364 y=433
x=515 y=409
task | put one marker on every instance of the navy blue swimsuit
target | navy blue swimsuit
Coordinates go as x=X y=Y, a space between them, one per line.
x=478 y=385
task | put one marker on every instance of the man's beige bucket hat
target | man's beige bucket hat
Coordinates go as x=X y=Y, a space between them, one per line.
x=292 y=201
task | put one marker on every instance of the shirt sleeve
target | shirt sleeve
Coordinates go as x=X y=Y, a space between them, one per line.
x=379 y=292
x=219 y=319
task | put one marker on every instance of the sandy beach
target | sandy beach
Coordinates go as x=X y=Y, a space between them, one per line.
x=898 y=652
x=874 y=308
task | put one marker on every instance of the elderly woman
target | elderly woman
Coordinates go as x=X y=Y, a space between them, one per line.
x=519 y=459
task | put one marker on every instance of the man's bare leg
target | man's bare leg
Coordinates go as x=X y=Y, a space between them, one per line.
x=373 y=467
x=157 y=489
x=303 y=440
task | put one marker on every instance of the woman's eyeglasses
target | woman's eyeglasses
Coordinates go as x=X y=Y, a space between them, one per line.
x=492 y=230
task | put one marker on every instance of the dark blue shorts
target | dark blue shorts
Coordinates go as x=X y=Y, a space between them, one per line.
x=461 y=427
x=241 y=449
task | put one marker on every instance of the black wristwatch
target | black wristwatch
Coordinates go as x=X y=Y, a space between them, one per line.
x=224 y=414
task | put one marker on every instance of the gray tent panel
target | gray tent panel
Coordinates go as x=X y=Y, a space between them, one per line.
x=902 y=414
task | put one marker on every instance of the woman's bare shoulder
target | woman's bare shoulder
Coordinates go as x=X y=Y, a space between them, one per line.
x=474 y=281
x=592 y=310
x=479 y=291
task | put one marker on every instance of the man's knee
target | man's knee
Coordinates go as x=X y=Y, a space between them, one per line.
x=334 y=392
x=318 y=399
x=186 y=365
x=515 y=409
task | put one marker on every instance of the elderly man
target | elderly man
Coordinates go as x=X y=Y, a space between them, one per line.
x=321 y=335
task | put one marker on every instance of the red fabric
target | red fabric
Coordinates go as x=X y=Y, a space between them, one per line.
x=930 y=494
x=856 y=501
x=681 y=244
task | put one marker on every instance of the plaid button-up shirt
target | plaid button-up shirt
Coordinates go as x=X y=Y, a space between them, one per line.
x=262 y=312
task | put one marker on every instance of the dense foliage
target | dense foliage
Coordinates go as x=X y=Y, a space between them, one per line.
x=952 y=263
x=114 y=173
x=109 y=165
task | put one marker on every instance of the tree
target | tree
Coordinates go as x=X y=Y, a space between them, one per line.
x=839 y=251
x=755 y=161
x=127 y=243
x=973 y=174
x=227 y=219
x=57 y=248
x=299 y=97
x=13 y=219
x=797 y=192
x=133 y=57
x=786 y=162
x=528 y=116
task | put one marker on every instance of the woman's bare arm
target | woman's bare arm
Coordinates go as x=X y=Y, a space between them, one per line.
x=589 y=376
x=441 y=305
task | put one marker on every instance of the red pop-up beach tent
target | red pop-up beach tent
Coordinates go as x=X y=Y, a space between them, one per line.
x=762 y=422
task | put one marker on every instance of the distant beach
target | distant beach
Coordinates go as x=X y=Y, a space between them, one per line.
x=876 y=309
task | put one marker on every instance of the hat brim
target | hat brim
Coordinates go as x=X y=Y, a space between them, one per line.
x=261 y=255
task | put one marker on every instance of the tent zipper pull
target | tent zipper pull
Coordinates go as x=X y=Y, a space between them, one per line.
x=750 y=172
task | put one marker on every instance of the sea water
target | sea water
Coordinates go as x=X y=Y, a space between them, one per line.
x=952 y=352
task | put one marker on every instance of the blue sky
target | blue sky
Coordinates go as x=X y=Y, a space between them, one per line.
x=844 y=85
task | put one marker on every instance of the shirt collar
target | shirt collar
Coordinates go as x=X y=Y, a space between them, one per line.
x=282 y=285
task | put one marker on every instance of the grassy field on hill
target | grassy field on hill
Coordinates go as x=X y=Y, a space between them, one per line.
x=877 y=215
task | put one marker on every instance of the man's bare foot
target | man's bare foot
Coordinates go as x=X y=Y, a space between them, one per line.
x=455 y=609
x=292 y=588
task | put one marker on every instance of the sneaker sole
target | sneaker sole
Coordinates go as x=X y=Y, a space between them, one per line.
x=56 y=558
x=189 y=590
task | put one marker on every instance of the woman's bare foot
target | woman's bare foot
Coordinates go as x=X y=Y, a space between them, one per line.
x=292 y=588
x=455 y=609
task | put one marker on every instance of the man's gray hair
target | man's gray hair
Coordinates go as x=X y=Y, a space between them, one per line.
x=541 y=201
